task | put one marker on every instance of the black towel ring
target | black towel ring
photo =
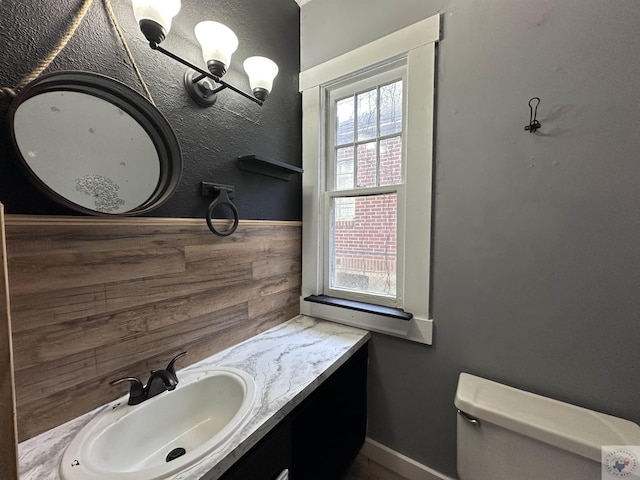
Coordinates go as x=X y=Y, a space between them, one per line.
x=221 y=199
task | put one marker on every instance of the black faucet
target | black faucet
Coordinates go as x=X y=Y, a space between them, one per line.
x=159 y=381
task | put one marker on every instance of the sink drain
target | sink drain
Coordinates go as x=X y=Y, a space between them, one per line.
x=175 y=453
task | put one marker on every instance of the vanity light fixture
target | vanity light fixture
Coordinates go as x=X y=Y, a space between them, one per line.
x=218 y=43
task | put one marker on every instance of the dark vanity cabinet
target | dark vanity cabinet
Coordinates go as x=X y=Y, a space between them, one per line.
x=329 y=427
x=267 y=459
x=320 y=438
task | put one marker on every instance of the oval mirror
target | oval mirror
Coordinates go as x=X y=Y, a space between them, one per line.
x=94 y=144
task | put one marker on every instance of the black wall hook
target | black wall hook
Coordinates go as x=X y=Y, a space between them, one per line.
x=534 y=124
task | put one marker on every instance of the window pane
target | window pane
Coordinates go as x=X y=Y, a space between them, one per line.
x=391 y=161
x=367 y=115
x=367 y=160
x=345 y=209
x=344 y=168
x=363 y=250
x=344 y=121
x=391 y=108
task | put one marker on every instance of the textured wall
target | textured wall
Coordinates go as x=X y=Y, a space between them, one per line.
x=211 y=138
x=535 y=250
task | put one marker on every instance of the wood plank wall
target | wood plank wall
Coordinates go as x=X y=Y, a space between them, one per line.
x=8 y=443
x=93 y=300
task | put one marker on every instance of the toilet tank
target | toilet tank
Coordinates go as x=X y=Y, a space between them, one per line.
x=509 y=434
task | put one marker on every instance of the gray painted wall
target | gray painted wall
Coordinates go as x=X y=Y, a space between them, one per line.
x=536 y=257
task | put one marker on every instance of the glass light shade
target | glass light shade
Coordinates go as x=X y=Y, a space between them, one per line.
x=159 y=11
x=261 y=72
x=217 y=40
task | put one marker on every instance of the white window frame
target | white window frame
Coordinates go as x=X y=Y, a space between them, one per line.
x=416 y=43
x=383 y=75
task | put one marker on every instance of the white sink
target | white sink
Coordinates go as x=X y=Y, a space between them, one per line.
x=127 y=442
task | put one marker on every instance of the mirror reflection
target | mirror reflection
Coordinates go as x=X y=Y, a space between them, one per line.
x=94 y=145
x=59 y=134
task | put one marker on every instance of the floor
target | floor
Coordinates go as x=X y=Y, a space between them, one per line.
x=365 y=469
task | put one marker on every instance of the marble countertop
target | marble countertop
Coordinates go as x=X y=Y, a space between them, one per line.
x=287 y=363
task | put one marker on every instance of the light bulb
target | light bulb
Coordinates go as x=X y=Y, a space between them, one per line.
x=218 y=44
x=261 y=72
x=154 y=17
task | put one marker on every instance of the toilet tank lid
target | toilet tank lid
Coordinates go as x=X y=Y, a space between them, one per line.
x=556 y=423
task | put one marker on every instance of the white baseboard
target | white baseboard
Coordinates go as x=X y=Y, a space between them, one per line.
x=399 y=463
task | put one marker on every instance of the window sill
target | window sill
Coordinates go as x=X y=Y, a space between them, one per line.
x=390 y=321
x=361 y=306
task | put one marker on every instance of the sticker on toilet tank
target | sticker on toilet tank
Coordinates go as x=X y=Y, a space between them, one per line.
x=621 y=461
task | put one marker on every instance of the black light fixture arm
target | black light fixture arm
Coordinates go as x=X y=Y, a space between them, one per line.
x=203 y=73
x=222 y=86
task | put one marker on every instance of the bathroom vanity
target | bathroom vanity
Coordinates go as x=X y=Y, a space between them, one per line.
x=320 y=437
x=309 y=417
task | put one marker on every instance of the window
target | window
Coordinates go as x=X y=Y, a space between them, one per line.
x=367 y=155
x=364 y=135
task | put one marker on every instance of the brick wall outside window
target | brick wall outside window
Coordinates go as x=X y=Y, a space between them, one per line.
x=365 y=244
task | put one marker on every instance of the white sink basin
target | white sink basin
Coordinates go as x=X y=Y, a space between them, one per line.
x=127 y=442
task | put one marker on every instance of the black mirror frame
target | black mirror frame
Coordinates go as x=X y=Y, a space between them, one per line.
x=131 y=102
